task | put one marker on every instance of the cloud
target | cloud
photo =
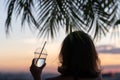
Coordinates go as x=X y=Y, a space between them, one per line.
x=108 y=49
x=111 y=66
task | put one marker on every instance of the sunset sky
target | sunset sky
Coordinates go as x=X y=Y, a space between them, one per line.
x=17 y=49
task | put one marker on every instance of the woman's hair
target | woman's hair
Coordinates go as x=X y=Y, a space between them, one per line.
x=78 y=56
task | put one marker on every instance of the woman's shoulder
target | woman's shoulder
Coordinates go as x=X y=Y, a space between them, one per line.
x=70 y=78
x=54 y=78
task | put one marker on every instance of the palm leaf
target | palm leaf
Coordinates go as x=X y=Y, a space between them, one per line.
x=20 y=7
x=9 y=14
x=50 y=15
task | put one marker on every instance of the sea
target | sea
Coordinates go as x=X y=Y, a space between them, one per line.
x=28 y=76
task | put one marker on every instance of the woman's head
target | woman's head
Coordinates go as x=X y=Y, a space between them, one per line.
x=78 y=56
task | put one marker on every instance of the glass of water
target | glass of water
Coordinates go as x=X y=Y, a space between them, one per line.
x=40 y=56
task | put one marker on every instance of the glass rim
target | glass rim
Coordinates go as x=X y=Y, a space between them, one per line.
x=41 y=53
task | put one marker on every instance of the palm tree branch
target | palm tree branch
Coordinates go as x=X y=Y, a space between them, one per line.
x=9 y=14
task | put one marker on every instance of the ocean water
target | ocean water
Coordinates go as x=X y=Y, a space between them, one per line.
x=28 y=76
x=111 y=76
x=15 y=76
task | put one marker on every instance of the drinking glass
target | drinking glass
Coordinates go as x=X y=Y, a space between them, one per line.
x=40 y=56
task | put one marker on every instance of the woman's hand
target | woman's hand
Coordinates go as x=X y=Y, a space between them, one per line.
x=36 y=71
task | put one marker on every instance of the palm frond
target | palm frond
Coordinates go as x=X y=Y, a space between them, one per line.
x=19 y=7
x=9 y=14
x=50 y=15
x=106 y=15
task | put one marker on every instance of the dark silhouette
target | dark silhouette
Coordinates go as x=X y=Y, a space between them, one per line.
x=78 y=59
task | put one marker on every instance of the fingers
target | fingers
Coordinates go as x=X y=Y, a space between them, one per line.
x=33 y=64
x=33 y=61
x=43 y=66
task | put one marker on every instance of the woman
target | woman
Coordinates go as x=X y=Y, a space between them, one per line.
x=78 y=59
